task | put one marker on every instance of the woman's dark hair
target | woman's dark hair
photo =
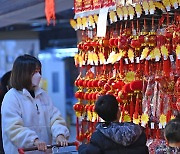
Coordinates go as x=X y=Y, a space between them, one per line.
x=5 y=80
x=107 y=107
x=23 y=69
x=4 y=84
x=172 y=130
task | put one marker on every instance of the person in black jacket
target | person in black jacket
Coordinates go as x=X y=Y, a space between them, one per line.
x=112 y=137
x=172 y=132
x=4 y=84
x=4 y=87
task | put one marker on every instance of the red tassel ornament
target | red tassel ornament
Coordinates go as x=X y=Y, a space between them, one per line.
x=50 y=11
x=166 y=67
x=121 y=67
x=157 y=133
x=177 y=66
x=136 y=113
x=77 y=128
x=131 y=108
x=146 y=68
x=126 y=88
x=178 y=104
x=123 y=111
x=168 y=115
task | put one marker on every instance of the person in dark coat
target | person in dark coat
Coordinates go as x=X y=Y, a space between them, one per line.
x=4 y=84
x=172 y=132
x=4 y=87
x=112 y=137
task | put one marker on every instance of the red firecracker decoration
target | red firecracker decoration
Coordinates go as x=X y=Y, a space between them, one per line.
x=50 y=11
x=136 y=112
x=146 y=68
x=137 y=87
x=131 y=108
x=166 y=67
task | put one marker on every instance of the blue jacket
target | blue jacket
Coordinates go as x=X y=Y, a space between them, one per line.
x=116 y=138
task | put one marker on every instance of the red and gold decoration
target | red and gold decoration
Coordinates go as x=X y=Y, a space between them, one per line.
x=50 y=11
x=138 y=61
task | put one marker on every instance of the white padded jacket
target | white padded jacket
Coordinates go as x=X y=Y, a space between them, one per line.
x=25 y=118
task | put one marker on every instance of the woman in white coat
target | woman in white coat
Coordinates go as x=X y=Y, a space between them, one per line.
x=28 y=115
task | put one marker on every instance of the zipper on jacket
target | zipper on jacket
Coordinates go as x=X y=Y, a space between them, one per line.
x=37 y=109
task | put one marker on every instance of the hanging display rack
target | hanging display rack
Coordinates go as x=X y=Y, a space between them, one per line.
x=137 y=61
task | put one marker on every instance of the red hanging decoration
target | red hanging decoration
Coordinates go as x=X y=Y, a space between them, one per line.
x=123 y=111
x=50 y=11
x=77 y=128
x=166 y=67
x=157 y=133
x=169 y=115
x=121 y=67
x=136 y=113
x=146 y=68
x=147 y=131
x=131 y=108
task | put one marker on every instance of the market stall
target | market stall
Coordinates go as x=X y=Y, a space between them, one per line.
x=130 y=49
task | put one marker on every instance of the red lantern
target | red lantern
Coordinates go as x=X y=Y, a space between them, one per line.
x=135 y=43
x=86 y=96
x=101 y=82
x=136 y=85
x=77 y=94
x=115 y=42
x=84 y=84
x=141 y=39
x=126 y=88
x=80 y=82
x=110 y=81
x=94 y=95
x=76 y=83
x=90 y=96
x=120 y=84
x=95 y=83
x=107 y=87
x=111 y=42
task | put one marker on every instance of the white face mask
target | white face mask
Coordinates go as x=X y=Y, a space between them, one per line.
x=36 y=79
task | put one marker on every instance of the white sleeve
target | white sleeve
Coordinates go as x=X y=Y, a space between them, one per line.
x=12 y=123
x=58 y=124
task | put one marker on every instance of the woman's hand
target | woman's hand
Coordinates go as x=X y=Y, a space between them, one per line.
x=61 y=140
x=40 y=145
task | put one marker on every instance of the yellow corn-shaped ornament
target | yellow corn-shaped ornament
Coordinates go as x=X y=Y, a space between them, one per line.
x=160 y=6
x=145 y=7
x=125 y=12
x=174 y=3
x=113 y=17
x=131 y=12
x=73 y=24
x=167 y=4
x=131 y=55
x=144 y=53
x=138 y=10
x=119 y=12
x=151 y=7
